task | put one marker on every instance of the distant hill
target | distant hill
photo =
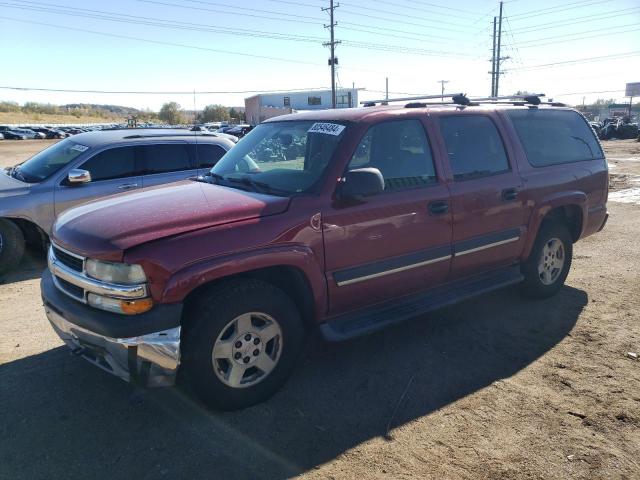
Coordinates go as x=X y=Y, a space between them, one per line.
x=110 y=110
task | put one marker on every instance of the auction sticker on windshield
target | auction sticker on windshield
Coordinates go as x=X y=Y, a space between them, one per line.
x=79 y=148
x=327 y=128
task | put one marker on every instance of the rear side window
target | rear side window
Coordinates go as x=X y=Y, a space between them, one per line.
x=400 y=150
x=550 y=137
x=474 y=146
x=113 y=163
x=208 y=154
x=161 y=158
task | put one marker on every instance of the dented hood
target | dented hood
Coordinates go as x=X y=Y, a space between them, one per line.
x=105 y=228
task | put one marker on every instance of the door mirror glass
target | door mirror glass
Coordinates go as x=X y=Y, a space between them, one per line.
x=77 y=176
x=362 y=182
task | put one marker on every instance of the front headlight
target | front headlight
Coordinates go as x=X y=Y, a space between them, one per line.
x=115 y=272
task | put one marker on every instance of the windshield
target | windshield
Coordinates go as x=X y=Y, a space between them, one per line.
x=48 y=161
x=281 y=158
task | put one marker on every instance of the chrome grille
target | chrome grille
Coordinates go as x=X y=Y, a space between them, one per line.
x=74 y=262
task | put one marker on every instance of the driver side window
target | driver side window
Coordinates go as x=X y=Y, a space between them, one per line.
x=401 y=151
x=113 y=163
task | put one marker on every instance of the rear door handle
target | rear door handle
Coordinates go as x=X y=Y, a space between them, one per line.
x=127 y=186
x=438 y=207
x=509 y=194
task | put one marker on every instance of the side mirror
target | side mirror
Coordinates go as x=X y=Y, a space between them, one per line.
x=362 y=182
x=77 y=176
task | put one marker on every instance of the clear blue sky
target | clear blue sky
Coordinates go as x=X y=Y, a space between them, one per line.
x=53 y=44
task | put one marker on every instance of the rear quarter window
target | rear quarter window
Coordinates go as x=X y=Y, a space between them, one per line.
x=552 y=137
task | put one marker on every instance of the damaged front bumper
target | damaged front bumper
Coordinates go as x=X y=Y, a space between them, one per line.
x=126 y=346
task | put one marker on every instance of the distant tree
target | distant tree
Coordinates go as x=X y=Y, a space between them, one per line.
x=35 y=107
x=214 y=113
x=9 y=107
x=171 y=113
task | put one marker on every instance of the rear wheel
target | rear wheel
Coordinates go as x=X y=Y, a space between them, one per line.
x=11 y=245
x=547 y=267
x=241 y=344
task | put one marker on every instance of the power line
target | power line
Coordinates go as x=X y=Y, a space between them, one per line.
x=160 y=42
x=574 y=39
x=190 y=92
x=575 y=20
x=435 y=5
x=556 y=9
x=162 y=23
x=580 y=60
x=154 y=21
x=586 y=93
x=414 y=8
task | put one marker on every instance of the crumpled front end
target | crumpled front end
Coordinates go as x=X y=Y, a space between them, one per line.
x=150 y=360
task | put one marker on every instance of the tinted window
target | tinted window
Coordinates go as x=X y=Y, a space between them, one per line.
x=474 y=146
x=112 y=163
x=400 y=150
x=554 y=136
x=208 y=154
x=165 y=158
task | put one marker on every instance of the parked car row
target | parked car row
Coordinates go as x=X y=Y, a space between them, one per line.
x=35 y=133
x=616 y=128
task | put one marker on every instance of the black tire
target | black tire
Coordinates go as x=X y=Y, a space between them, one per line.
x=210 y=317
x=11 y=245
x=533 y=285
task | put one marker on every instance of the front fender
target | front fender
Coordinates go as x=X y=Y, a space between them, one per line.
x=186 y=280
x=548 y=203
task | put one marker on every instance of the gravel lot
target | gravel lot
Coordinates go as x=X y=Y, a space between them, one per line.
x=498 y=387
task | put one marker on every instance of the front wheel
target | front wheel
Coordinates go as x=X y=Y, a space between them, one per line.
x=241 y=343
x=548 y=265
x=11 y=245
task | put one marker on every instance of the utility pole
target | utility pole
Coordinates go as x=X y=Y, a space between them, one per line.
x=493 y=61
x=386 y=88
x=442 y=82
x=498 y=59
x=333 y=61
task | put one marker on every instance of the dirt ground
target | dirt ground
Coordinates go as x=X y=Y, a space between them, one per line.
x=497 y=388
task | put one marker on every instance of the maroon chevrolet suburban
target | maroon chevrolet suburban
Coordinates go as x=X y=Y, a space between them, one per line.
x=343 y=220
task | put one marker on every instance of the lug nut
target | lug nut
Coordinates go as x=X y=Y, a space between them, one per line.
x=246 y=360
x=238 y=344
x=237 y=356
x=247 y=337
x=256 y=352
x=256 y=341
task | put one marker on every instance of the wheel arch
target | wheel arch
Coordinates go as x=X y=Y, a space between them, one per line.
x=568 y=209
x=33 y=234
x=287 y=278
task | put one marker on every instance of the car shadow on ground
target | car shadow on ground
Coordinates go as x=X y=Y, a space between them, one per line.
x=31 y=266
x=62 y=417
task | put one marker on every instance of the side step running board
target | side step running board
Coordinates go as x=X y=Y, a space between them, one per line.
x=380 y=316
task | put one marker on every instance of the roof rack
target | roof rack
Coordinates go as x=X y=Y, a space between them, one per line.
x=159 y=135
x=371 y=103
x=461 y=99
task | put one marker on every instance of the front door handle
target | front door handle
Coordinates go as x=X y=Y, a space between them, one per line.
x=127 y=186
x=438 y=207
x=509 y=194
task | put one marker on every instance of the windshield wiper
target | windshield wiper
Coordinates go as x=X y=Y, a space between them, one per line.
x=257 y=186
x=14 y=172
